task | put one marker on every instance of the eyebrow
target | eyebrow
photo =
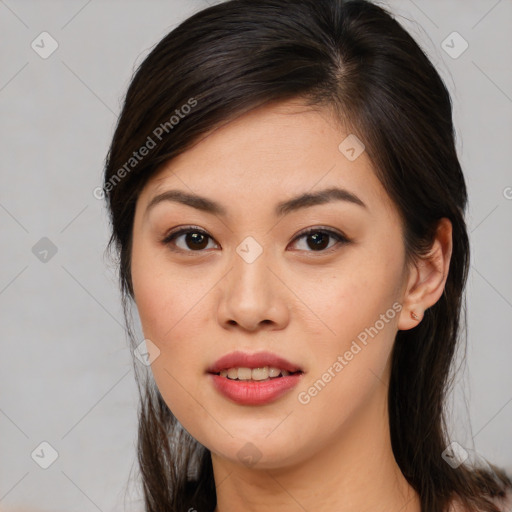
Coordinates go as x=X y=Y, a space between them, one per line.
x=301 y=201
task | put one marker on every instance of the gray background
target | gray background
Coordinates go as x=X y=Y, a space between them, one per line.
x=66 y=373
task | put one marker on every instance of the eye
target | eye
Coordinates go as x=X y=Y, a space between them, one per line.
x=317 y=239
x=194 y=239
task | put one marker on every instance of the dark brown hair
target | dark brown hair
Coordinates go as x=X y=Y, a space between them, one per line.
x=353 y=58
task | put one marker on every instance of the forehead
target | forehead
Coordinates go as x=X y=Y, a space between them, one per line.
x=276 y=151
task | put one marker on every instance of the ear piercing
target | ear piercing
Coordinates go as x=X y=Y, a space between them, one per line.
x=414 y=315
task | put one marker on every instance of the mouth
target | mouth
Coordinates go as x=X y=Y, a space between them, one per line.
x=254 y=379
x=257 y=366
x=262 y=374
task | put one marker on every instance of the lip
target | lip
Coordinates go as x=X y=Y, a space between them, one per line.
x=254 y=392
x=258 y=360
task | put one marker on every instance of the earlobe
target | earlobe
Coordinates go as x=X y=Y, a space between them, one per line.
x=414 y=315
x=428 y=278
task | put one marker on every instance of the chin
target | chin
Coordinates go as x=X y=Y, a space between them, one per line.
x=256 y=450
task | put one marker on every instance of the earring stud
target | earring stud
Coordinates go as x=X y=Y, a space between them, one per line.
x=414 y=315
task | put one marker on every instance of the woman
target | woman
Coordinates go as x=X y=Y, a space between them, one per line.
x=288 y=208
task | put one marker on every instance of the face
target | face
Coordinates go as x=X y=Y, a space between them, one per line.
x=318 y=282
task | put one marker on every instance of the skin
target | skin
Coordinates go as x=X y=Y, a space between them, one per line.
x=305 y=304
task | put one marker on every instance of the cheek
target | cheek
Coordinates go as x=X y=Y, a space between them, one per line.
x=347 y=304
x=358 y=308
x=170 y=305
x=349 y=367
x=169 y=319
x=161 y=297
x=168 y=312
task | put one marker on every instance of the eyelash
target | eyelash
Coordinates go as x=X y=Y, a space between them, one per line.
x=341 y=239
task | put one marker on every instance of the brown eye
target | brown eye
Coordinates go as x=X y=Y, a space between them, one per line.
x=317 y=240
x=194 y=240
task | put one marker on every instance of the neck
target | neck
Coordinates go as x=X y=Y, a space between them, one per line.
x=357 y=473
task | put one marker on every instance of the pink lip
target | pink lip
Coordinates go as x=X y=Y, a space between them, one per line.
x=254 y=392
x=259 y=360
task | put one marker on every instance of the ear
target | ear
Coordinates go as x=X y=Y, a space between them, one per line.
x=427 y=278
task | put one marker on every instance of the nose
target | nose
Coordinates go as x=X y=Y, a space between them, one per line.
x=252 y=296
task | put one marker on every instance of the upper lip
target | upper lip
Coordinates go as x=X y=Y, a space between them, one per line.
x=258 y=360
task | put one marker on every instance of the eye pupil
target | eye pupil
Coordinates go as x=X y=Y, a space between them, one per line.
x=319 y=244
x=197 y=241
x=196 y=238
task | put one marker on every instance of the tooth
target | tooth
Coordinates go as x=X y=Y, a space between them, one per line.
x=273 y=372
x=233 y=373
x=244 y=373
x=259 y=373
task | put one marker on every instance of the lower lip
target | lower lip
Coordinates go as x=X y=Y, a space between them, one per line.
x=247 y=392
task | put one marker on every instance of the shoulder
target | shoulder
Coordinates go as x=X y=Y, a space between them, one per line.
x=504 y=503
